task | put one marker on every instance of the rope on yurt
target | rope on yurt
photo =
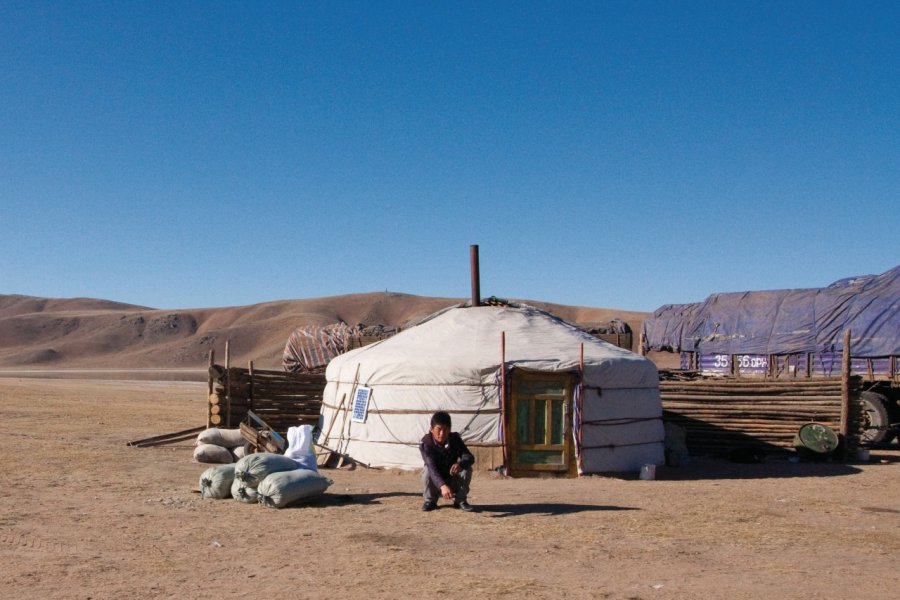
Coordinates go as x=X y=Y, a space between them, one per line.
x=602 y=446
x=391 y=433
x=379 y=412
x=619 y=421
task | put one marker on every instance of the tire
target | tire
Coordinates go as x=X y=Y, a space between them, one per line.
x=875 y=420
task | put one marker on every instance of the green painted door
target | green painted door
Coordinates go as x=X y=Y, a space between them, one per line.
x=539 y=422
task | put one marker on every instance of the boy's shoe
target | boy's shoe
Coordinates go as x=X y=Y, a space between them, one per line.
x=429 y=506
x=465 y=506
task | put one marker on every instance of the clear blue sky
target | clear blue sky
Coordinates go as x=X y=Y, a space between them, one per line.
x=611 y=154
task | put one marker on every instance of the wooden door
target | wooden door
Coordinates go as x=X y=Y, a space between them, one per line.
x=539 y=433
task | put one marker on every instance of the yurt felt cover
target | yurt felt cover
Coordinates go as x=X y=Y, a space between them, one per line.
x=452 y=363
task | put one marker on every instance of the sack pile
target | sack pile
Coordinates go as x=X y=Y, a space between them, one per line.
x=222 y=446
x=273 y=480
x=270 y=479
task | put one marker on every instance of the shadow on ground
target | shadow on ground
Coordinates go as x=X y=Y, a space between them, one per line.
x=549 y=509
x=710 y=468
x=327 y=499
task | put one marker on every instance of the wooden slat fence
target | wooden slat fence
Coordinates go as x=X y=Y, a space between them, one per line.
x=721 y=415
x=622 y=340
x=280 y=398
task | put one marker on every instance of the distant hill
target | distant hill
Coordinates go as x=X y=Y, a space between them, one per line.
x=101 y=334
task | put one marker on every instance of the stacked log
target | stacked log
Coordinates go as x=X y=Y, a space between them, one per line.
x=280 y=398
x=721 y=415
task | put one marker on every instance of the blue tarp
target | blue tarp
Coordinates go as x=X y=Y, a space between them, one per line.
x=786 y=321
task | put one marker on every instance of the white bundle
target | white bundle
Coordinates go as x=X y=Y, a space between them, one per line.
x=211 y=453
x=216 y=482
x=239 y=451
x=252 y=469
x=280 y=489
x=300 y=447
x=241 y=493
x=227 y=438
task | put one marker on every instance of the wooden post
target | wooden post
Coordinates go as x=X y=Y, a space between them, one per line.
x=344 y=426
x=209 y=379
x=209 y=385
x=250 y=386
x=580 y=412
x=845 y=390
x=641 y=345
x=503 y=421
x=227 y=383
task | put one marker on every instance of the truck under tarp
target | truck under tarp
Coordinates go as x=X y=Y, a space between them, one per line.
x=786 y=321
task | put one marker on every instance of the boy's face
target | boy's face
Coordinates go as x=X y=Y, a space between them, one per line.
x=440 y=433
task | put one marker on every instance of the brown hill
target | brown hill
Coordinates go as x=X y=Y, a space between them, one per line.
x=84 y=333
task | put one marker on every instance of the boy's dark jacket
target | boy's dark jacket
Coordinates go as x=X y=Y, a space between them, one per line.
x=439 y=458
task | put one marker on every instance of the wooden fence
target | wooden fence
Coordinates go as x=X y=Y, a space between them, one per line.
x=721 y=415
x=622 y=340
x=279 y=398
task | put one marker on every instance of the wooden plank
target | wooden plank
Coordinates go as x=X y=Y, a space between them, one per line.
x=845 y=390
x=173 y=440
x=165 y=436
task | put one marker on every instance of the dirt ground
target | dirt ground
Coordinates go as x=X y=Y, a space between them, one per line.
x=85 y=516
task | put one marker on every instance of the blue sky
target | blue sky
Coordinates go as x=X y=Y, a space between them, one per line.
x=610 y=154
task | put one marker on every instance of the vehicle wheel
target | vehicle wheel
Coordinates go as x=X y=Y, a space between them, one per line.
x=874 y=418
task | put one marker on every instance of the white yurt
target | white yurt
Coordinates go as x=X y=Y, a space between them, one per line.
x=527 y=391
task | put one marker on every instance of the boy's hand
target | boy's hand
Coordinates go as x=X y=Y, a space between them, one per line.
x=446 y=492
x=454 y=468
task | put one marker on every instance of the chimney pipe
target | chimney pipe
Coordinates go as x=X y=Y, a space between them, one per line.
x=476 y=278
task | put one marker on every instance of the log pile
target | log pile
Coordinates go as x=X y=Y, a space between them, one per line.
x=722 y=415
x=280 y=398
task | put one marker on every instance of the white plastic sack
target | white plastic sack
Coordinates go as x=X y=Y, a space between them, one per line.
x=210 y=453
x=229 y=438
x=280 y=489
x=241 y=493
x=300 y=447
x=239 y=452
x=216 y=482
x=252 y=469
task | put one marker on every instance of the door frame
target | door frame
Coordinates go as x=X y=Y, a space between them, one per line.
x=569 y=468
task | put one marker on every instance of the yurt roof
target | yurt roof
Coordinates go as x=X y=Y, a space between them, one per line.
x=463 y=346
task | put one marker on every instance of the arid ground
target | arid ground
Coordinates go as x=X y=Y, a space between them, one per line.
x=86 y=516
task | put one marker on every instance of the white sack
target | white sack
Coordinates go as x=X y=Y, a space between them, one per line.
x=280 y=489
x=300 y=447
x=239 y=452
x=229 y=438
x=211 y=453
x=242 y=493
x=252 y=469
x=215 y=482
